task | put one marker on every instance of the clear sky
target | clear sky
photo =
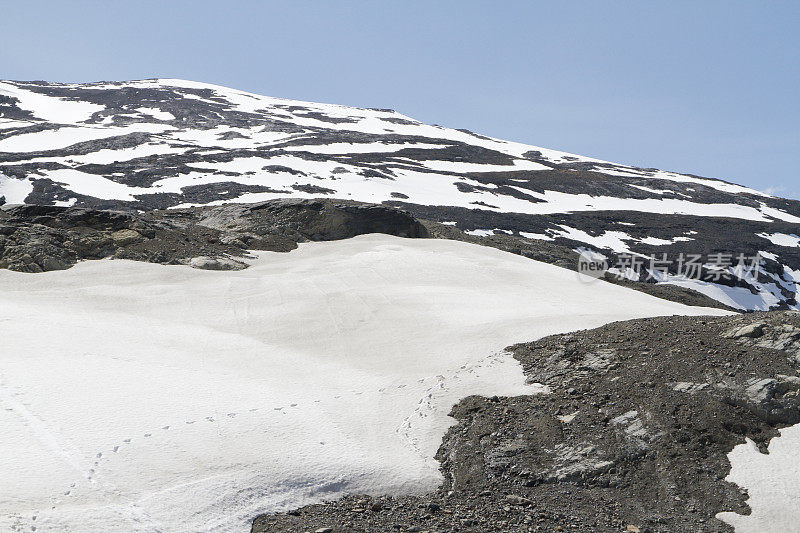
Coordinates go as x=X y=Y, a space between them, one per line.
x=709 y=87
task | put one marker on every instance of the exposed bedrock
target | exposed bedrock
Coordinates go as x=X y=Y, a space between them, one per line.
x=42 y=238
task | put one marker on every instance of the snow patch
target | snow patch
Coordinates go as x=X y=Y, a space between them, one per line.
x=15 y=190
x=459 y=167
x=67 y=136
x=781 y=239
x=156 y=113
x=771 y=483
x=361 y=148
x=56 y=110
x=93 y=185
x=736 y=297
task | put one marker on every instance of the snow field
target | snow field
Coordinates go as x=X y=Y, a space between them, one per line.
x=139 y=397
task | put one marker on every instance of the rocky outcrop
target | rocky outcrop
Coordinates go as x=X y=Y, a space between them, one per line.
x=42 y=238
x=308 y=220
x=634 y=435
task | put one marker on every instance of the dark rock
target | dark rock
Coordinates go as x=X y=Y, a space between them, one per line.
x=37 y=238
x=641 y=445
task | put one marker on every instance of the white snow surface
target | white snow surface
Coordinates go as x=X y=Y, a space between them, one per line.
x=736 y=297
x=92 y=184
x=139 y=397
x=14 y=190
x=57 y=110
x=461 y=167
x=781 y=239
x=67 y=136
x=156 y=113
x=361 y=148
x=771 y=481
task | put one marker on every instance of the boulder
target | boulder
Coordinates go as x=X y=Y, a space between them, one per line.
x=216 y=263
x=751 y=331
x=125 y=237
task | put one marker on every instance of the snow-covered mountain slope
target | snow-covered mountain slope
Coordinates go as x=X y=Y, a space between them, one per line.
x=129 y=141
x=166 y=143
x=175 y=399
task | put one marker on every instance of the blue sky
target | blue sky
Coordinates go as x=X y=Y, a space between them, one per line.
x=705 y=87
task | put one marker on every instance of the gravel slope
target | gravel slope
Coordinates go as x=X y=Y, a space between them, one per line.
x=634 y=437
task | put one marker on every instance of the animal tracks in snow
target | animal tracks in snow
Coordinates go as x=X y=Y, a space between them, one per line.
x=104 y=456
x=411 y=430
x=443 y=393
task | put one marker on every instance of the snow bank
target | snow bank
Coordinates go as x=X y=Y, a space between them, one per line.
x=771 y=482
x=138 y=397
x=15 y=190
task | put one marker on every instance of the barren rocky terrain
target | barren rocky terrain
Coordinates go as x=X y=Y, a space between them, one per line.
x=633 y=436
